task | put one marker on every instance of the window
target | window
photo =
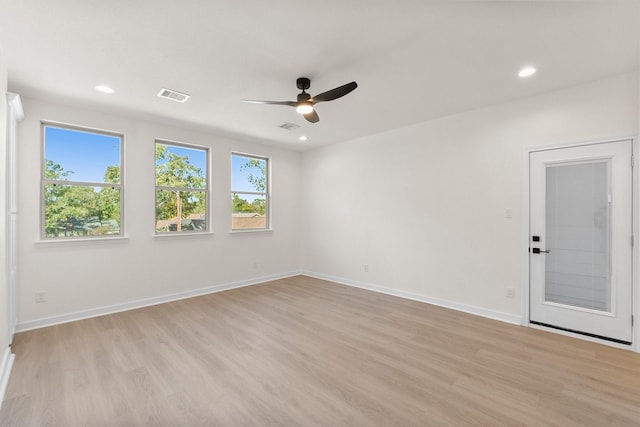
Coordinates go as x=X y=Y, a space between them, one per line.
x=181 y=188
x=249 y=192
x=81 y=182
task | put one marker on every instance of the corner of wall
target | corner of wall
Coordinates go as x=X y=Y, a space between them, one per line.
x=7 y=359
x=636 y=343
x=4 y=317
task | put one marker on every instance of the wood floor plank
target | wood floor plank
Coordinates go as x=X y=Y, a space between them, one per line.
x=306 y=352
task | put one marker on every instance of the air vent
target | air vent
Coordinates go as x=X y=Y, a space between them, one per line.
x=173 y=95
x=289 y=126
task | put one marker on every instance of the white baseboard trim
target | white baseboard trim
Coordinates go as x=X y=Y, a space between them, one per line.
x=478 y=311
x=5 y=372
x=116 y=308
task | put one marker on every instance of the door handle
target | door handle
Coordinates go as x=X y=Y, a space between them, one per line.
x=539 y=251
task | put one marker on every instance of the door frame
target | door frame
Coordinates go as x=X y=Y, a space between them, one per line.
x=525 y=285
x=15 y=114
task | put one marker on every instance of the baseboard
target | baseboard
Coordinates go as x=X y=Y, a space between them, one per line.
x=116 y=308
x=5 y=372
x=478 y=311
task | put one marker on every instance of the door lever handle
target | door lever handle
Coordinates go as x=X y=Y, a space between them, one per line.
x=538 y=251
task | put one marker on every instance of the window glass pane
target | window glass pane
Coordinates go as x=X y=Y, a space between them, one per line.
x=248 y=174
x=74 y=210
x=249 y=196
x=81 y=159
x=182 y=167
x=578 y=235
x=189 y=206
x=249 y=211
x=178 y=168
x=81 y=156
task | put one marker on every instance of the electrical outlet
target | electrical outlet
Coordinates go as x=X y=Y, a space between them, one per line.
x=40 y=297
x=366 y=268
x=511 y=292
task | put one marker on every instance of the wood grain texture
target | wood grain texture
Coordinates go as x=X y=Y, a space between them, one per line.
x=306 y=352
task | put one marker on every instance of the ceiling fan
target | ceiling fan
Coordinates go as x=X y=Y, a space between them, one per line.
x=304 y=104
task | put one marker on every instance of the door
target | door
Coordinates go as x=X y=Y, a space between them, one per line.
x=581 y=239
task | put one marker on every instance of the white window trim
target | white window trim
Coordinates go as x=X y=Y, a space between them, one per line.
x=250 y=230
x=206 y=190
x=184 y=234
x=267 y=193
x=43 y=182
x=50 y=241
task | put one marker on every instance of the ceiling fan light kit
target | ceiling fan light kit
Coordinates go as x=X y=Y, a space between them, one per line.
x=304 y=103
x=304 y=107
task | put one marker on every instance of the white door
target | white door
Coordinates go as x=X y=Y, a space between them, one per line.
x=581 y=238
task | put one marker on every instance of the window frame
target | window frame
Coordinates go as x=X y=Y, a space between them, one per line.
x=44 y=182
x=266 y=193
x=206 y=190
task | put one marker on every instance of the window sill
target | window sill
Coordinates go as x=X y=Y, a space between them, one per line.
x=251 y=230
x=81 y=240
x=188 y=234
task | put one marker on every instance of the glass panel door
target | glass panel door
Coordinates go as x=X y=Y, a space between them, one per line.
x=580 y=239
x=577 y=233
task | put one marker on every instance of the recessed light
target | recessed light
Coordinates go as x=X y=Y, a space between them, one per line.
x=527 y=71
x=303 y=138
x=104 y=89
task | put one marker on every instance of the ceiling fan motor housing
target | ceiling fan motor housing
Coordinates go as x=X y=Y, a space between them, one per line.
x=303 y=83
x=304 y=96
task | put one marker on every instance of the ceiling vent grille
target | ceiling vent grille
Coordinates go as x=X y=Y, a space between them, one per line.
x=289 y=126
x=173 y=95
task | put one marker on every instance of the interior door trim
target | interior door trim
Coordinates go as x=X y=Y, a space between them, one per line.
x=524 y=239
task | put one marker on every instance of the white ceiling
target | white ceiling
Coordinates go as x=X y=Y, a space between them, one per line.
x=414 y=60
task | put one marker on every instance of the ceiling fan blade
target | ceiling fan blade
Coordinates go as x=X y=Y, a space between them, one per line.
x=336 y=93
x=289 y=103
x=312 y=117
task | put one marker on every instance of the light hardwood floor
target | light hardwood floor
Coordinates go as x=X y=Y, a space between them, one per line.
x=305 y=352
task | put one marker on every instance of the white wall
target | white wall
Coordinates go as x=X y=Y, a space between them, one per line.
x=79 y=276
x=424 y=206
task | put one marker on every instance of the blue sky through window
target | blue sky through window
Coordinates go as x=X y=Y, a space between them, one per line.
x=196 y=157
x=88 y=155
x=240 y=178
x=85 y=154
